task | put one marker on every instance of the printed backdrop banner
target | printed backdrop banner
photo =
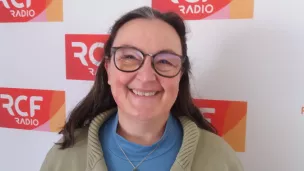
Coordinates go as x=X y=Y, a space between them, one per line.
x=229 y=118
x=207 y=9
x=83 y=55
x=245 y=54
x=42 y=110
x=31 y=10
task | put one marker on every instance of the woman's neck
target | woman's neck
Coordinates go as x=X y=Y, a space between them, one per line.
x=141 y=132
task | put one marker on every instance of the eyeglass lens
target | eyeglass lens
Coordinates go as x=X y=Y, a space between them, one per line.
x=130 y=59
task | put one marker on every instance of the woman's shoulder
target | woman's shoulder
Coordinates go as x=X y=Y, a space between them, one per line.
x=204 y=150
x=58 y=159
x=213 y=152
x=213 y=141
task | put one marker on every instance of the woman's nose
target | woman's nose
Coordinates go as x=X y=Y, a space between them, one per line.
x=146 y=72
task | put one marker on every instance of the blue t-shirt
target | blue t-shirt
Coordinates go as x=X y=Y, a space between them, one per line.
x=161 y=159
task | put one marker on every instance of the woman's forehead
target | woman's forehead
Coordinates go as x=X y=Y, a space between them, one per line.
x=150 y=35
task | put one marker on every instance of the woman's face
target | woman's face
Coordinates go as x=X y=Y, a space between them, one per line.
x=144 y=94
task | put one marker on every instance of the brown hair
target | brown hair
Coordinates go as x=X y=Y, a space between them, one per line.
x=100 y=99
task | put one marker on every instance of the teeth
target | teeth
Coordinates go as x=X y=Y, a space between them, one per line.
x=140 y=93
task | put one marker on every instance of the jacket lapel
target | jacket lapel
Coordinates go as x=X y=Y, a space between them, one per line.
x=95 y=160
x=186 y=154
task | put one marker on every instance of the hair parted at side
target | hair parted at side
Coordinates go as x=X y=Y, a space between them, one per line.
x=100 y=99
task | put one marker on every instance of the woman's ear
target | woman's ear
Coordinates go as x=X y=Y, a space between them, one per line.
x=106 y=65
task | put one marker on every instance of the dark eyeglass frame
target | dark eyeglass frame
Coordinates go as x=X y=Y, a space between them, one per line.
x=144 y=55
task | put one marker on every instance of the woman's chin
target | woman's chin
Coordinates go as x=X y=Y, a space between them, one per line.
x=143 y=113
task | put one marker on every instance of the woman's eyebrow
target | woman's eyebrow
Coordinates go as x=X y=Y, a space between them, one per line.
x=126 y=45
x=129 y=46
x=166 y=50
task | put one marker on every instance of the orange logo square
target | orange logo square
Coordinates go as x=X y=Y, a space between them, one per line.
x=31 y=10
x=229 y=118
x=207 y=9
x=83 y=55
x=30 y=109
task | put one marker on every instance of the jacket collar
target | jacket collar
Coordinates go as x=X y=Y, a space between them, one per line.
x=184 y=157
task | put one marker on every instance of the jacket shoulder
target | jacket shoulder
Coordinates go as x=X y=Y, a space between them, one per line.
x=213 y=153
x=69 y=159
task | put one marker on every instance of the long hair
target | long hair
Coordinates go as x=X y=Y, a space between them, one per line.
x=100 y=99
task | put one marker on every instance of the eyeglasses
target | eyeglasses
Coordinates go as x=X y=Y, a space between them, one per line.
x=130 y=59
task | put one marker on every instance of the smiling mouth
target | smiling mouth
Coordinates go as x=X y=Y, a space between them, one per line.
x=144 y=93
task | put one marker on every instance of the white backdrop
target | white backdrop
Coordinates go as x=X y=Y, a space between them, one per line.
x=258 y=60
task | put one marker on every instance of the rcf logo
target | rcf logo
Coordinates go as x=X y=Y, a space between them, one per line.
x=207 y=9
x=83 y=55
x=30 y=109
x=229 y=118
x=30 y=10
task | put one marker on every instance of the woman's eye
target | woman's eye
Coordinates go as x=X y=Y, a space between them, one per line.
x=164 y=62
x=129 y=57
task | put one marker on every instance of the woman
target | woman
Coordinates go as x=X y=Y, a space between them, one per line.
x=139 y=114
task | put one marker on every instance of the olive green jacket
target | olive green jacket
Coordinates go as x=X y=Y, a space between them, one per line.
x=200 y=151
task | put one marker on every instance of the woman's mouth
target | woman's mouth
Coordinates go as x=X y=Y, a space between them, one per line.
x=143 y=93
